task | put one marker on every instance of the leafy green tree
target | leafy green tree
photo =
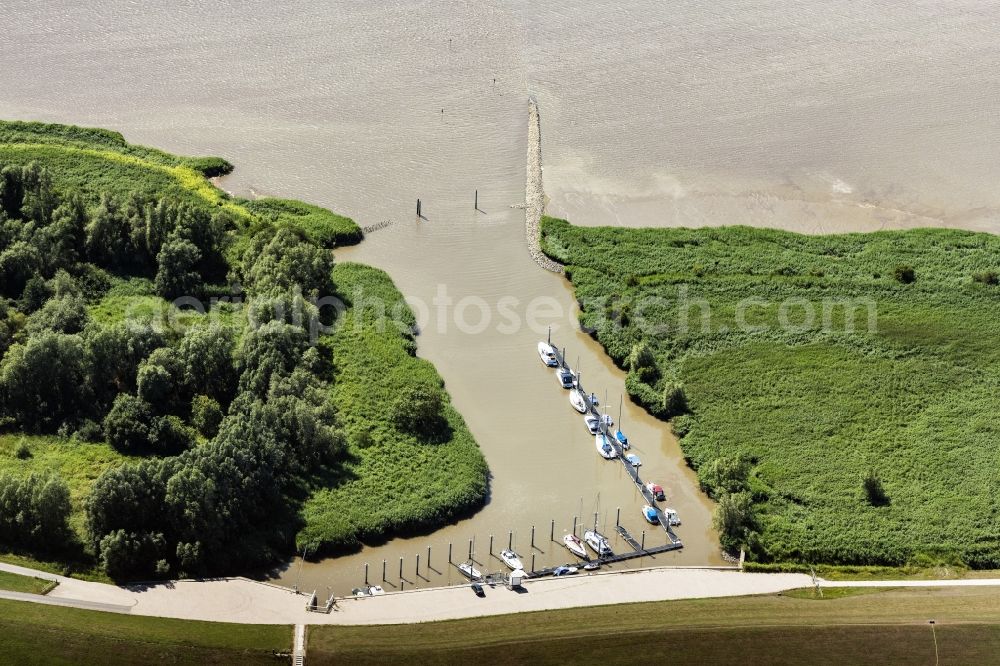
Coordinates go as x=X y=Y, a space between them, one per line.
x=46 y=381
x=108 y=241
x=286 y=261
x=674 y=399
x=169 y=435
x=177 y=274
x=65 y=240
x=206 y=354
x=131 y=555
x=34 y=512
x=117 y=352
x=727 y=474
x=65 y=314
x=39 y=196
x=36 y=292
x=206 y=415
x=420 y=411
x=270 y=351
x=128 y=426
x=734 y=519
x=160 y=380
x=18 y=264
x=126 y=497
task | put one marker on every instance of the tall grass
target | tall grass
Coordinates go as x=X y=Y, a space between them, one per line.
x=817 y=409
x=392 y=481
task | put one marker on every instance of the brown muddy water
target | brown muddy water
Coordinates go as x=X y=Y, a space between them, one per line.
x=800 y=114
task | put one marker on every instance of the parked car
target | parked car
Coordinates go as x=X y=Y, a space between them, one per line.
x=478 y=589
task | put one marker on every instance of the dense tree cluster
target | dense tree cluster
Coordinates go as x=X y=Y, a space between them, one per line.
x=221 y=421
x=33 y=512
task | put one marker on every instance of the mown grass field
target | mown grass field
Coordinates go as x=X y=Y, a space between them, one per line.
x=888 y=627
x=392 y=481
x=814 y=405
x=14 y=583
x=35 y=634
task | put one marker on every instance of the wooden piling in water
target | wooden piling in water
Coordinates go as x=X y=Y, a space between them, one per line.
x=642 y=543
x=477 y=199
x=418 y=564
x=491 y=544
x=366 y=573
x=532 y=561
x=470 y=549
x=418 y=208
x=532 y=536
x=574 y=524
x=428 y=557
x=401 y=570
x=383 y=571
x=552 y=530
x=618 y=517
x=449 y=553
x=510 y=540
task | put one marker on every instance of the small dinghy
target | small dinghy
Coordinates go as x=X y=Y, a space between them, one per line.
x=566 y=377
x=598 y=543
x=578 y=400
x=511 y=559
x=604 y=447
x=547 y=353
x=593 y=425
x=633 y=460
x=471 y=572
x=649 y=513
x=575 y=546
x=592 y=566
x=656 y=491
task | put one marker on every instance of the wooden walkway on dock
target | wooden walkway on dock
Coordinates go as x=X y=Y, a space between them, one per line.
x=638 y=551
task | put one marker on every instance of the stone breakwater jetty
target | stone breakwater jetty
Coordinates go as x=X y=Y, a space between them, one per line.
x=535 y=194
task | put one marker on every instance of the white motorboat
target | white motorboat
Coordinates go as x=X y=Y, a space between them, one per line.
x=566 y=377
x=593 y=425
x=607 y=420
x=511 y=559
x=672 y=518
x=471 y=572
x=578 y=400
x=547 y=353
x=604 y=447
x=575 y=546
x=598 y=542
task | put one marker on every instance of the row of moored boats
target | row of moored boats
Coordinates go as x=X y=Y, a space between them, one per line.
x=600 y=426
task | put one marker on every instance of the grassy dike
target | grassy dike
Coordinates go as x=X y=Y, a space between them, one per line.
x=793 y=417
x=881 y=627
x=35 y=634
